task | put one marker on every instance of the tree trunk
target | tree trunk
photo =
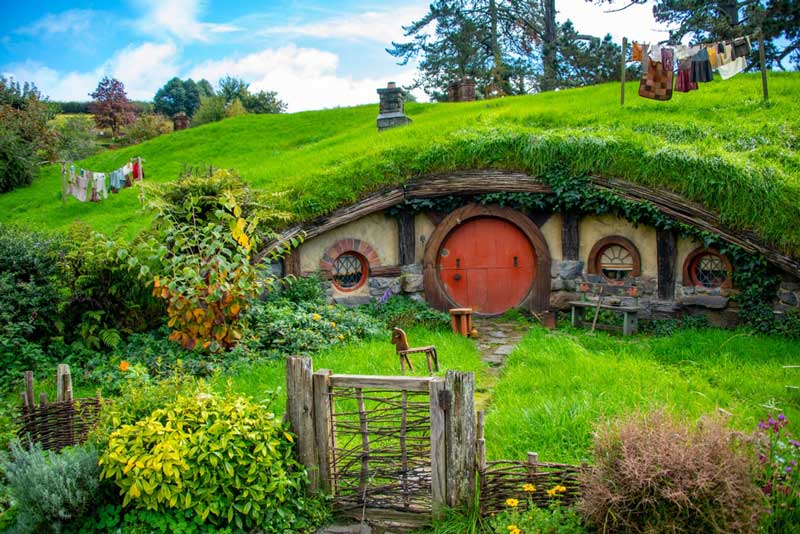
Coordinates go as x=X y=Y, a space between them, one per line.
x=497 y=79
x=549 y=59
x=730 y=9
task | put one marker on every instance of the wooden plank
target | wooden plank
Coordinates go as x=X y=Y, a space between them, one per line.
x=480 y=448
x=460 y=438
x=61 y=372
x=406 y=237
x=593 y=304
x=667 y=251
x=29 y=399
x=438 y=457
x=323 y=421
x=397 y=383
x=622 y=72
x=300 y=413
x=570 y=243
x=291 y=263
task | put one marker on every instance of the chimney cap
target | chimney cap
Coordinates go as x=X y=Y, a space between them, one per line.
x=391 y=85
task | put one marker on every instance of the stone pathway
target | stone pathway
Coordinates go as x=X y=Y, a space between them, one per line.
x=496 y=339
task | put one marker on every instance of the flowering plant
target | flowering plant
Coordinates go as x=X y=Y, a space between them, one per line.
x=525 y=517
x=779 y=455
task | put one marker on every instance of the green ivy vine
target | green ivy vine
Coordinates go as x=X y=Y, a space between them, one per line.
x=758 y=283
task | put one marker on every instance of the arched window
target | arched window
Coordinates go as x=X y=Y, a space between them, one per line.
x=707 y=268
x=615 y=258
x=349 y=271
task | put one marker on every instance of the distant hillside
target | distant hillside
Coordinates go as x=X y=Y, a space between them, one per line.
x=720 y=146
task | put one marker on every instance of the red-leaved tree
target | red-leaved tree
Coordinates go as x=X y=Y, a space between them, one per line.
x=111 y=107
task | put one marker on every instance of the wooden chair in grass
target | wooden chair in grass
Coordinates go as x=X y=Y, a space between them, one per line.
x=400 y=341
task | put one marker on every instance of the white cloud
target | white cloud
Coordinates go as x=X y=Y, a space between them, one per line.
x=305 y=78
x=179 y=19
x=70 y=21
x=380 y=26
x=143 y=69
x=636 y=22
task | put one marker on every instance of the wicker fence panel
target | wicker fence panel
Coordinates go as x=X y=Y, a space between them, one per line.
x=506 y=479
x=381 y=457
x=59 y=424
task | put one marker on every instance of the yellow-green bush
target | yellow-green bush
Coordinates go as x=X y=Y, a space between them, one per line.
x=227 y=459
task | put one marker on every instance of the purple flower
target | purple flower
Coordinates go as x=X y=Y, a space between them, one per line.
x=794 y=442
x=781 y=417
x=788 y=470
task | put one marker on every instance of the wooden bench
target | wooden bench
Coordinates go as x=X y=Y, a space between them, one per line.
x=630 y=321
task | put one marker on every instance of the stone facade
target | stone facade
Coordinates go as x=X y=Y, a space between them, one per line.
x=392 y=107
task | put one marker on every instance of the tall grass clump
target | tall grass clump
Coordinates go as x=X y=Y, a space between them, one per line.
x=654 y=473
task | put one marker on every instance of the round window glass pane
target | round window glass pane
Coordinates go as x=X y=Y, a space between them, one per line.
x=616 y=262
x=709 y=270
x=348 y=271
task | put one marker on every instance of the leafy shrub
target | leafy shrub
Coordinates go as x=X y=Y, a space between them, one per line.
x=76 y=138
x=656 y=474
x=18 y=161
x=555 y=519
x=212 y=109
x=285 y=327
x=306 y=289
x=779 y=456
x=50 y=489
x=404 y=312
x=226 y=459
x=147 y=126
x=113 y=519
x=666 y=327
x=234 y=109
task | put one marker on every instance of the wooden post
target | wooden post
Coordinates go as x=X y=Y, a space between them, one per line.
x=460 y=438
x=406 y=237
x=364 y=430
x=667 y=252
x=570 y=240
x=763 y=61
x=532 y=465
x=436 y=390
x=323 y=421
x=29 y=400
x=480 y=448
x=300 y=412
x=63 y=383
x=622 y=72
x=63 y=184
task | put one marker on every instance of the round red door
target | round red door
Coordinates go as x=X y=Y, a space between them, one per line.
x=487 y=264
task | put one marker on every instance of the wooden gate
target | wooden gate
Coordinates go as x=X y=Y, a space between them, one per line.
x=389 y=449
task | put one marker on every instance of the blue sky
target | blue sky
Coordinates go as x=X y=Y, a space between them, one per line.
x=315 y=54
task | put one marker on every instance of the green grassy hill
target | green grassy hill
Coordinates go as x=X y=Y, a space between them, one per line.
x=720 y=146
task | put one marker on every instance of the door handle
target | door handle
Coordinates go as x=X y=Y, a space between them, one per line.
x=516 y=263
x=457 y=277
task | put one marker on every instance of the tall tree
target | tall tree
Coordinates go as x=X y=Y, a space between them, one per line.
x=488 y=40
x=705 y=20
x=231 y=88
x=111 y=107
x=205 y=88
x=585 y=60
x=177 y=96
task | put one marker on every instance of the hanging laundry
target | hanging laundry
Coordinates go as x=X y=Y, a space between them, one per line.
x=683 y=81
x=741 y=47
x=645 y=57
x=636 y=53
x=116 y=180
x=713 y=58
x=127 y=172
x=654 y=52
x=138 y=172
x=80 y=190
x=731 y=69
x=684 y=51
x=701 y=68
x=656 y=83
x=724 y=54
x=667 y=58
x=99 y=191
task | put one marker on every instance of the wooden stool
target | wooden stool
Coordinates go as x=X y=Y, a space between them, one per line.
x=461 y=320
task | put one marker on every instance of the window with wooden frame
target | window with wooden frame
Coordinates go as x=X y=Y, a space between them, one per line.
x=349 y=271
x=616 y=258
x=706 y=267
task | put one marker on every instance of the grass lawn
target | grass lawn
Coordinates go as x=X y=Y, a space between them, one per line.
x=721 y=147
x=374 y=356
x=557 y=385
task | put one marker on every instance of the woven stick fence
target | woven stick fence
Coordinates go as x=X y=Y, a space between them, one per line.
x=55 y=425
x=381 y=450
x=529 y=481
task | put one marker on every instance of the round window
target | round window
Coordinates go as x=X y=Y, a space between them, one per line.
x=349 y=271
x=615 y=262
x=708 y=270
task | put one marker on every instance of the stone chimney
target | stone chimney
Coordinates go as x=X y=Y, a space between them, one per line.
x=461 y=90
x=180 y=121
x=392 y=107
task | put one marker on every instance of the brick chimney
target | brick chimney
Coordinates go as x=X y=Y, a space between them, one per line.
x=180 y=121
x=392 y=107
x=461 y=90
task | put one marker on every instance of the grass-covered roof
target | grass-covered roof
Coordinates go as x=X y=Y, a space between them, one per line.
x=720 y=146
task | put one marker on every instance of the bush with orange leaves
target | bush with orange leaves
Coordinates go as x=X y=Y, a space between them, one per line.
x=655 y=473
x=206 y=275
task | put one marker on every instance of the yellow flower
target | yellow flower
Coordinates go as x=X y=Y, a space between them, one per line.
x=530 y=488
x=551 y=492
x=333 y=324
x=560 y=489
x=330 y=306
x=124 y=366
x=512 y=527
x=316 y=317
x=341 y=337
x=516 y=531
x=512 y=503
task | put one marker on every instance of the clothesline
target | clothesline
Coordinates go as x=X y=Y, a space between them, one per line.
x=86 y=185
x=688 y=65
